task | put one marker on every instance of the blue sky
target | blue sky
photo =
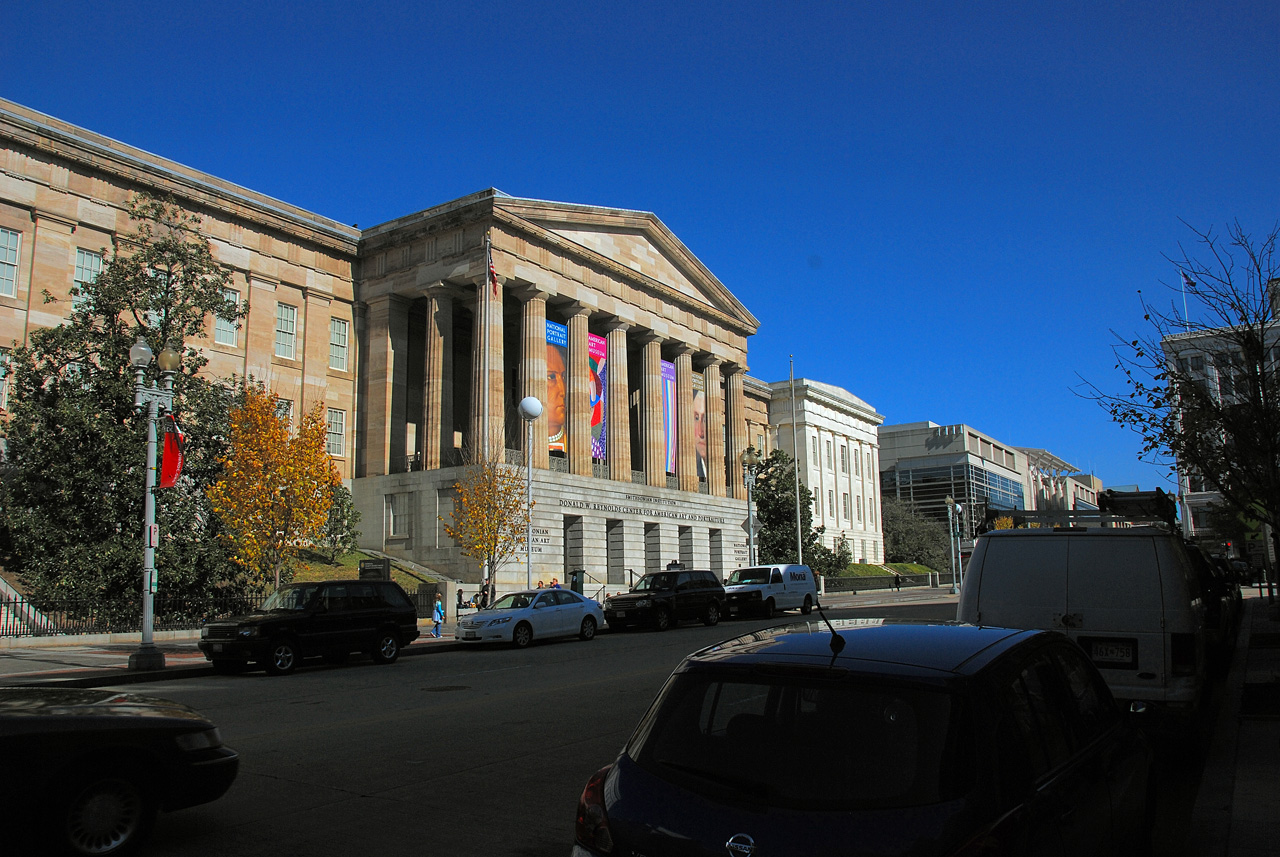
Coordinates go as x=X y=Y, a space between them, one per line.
x=944 y=208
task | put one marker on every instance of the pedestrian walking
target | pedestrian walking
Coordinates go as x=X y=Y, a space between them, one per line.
x=897 y=581
x=437 y=616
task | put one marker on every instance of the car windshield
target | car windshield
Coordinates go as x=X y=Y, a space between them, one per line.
x=655 y=582
x=749 y=575
x=709 y=728
x=294 y=597
x=514 y=601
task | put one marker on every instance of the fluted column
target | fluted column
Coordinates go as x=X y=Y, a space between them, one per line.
x=618 y=425
x=533 y=368
x=579 y=393
x=488 y=428
x=686 y=445
x=387 y=371
x=737 y=422
x=652 y=435
x=437 y=379
x=714 y=429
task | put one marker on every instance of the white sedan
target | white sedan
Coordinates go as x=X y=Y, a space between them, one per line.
x=521 y=617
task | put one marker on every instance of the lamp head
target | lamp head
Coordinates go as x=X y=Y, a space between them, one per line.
x=140 y=354
x=530 y=408
x=750 y=458
x=169 y=360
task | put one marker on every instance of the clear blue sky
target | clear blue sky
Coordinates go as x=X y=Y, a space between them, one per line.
x=942 y=207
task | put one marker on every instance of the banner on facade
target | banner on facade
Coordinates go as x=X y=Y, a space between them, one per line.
x=557 y=389
x=669 y=413
x=700 y=422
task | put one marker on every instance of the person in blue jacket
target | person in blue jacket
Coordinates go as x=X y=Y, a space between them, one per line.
x=437 y=616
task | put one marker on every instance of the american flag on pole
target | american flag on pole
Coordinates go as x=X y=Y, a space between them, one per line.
x=1187 y=281
x=493 y=274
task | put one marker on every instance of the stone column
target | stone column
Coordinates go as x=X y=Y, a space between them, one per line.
x=686 y=453
x=437 y=379
x=386 y=369
x=488 y=426
x=533 y=368
x=715 y=429
x=737 y=422
x=618 y=423
x=652 y=436
x=579 y=393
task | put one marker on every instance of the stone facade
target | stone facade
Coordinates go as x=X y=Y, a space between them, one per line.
x=838 y=460
x=63 y=200
x=421 y=335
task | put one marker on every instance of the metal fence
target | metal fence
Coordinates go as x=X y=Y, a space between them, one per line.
x=25 y=617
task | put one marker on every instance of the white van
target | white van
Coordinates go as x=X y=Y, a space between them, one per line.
x=1128 y=597
x=765 y=589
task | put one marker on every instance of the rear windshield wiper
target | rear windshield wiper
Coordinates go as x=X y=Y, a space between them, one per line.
x=740 y=783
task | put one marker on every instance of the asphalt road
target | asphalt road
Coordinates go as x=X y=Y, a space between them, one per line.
x=473 y=751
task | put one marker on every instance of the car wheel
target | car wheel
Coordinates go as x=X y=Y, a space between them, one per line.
x=336 y=658
x=225 y=666
x=588 y=629
x=662 y=619
x=386 y=647
x=712 y=614
x=282 y=657
x=769 y=608
x=522 y=635
x=102 y=812
x=807 y=607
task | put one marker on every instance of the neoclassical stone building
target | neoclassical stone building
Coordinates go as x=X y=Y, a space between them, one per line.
x=420 y=336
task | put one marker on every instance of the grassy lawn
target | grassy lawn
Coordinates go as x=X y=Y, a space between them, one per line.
x=313 y=566
x=859 y=569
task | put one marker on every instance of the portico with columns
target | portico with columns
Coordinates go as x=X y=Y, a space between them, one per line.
x=451 y=348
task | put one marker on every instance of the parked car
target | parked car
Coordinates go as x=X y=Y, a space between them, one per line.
x=876 y=738
x=763 y=590
x=1222 y=602
x=520 y=618
x=331 y=618
x=1128 y=596
x=86 y=771
x=662 y=598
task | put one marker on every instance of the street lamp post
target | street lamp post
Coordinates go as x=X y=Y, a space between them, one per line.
x=530 y=409
x=156 y=397
x=750 y=461
x=951 y=541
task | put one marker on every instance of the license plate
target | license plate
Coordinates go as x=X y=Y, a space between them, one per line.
x=620 y=613
x=468 y=635
x=1115 y=653
x=217 y=647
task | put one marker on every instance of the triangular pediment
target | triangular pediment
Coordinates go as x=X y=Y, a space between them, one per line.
x=637 y=241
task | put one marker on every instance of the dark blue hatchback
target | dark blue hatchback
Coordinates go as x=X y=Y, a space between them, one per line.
x=902 y=739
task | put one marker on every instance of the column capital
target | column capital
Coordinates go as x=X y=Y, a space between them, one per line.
x=576 y=308
x=615 y=324
x=644 y=337
x=683 y=349
x=711 y=362
x=530 y=292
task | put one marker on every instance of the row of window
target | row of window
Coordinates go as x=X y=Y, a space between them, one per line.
x=88 y=265
x=845 y=508
x=847 y=453
x=226 y=332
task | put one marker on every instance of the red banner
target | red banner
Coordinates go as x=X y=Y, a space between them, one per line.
x=171 y=467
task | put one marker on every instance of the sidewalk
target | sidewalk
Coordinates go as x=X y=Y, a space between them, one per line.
x=1237 y=809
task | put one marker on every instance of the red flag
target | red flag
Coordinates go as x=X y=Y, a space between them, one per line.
x=171 y=467
x=493 y=274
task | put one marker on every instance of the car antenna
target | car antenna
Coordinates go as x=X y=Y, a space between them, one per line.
x=836 y=642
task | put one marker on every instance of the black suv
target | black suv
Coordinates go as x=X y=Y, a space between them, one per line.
x=331 y=618
x=661 y=598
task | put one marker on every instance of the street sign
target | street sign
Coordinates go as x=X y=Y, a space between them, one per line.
x=751 y=525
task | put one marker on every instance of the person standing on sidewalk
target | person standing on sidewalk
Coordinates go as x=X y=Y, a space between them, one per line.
x=437 y=616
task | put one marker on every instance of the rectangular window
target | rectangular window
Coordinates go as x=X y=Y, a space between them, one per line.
x=338 y=344
x=830 y=464
x=844 y=506
x=337 y=432
x=870 y=470
x=844 y=458
x=831 y=500
x=859 y=509
x=857 y=466
x=9 y=263
x=816 y=460
x=871 y=511
x=817 y=506
x=397 y=514
x=225 y=330
x=286 y=330
x=284 y=409
x=88 y=266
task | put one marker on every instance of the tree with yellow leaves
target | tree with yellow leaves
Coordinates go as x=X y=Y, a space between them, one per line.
x=276 y=489
x=490 y=515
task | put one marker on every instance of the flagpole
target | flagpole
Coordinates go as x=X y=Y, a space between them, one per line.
x=795 y=465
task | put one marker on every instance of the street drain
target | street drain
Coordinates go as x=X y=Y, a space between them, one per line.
x=446 y=688
x=1260 y=700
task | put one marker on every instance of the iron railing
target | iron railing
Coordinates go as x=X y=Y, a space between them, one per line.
x=24 y=617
